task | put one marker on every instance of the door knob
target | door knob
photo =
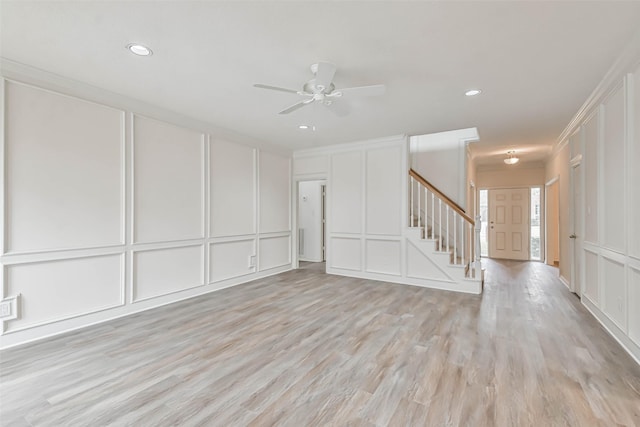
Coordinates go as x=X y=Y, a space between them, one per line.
x=573 y=236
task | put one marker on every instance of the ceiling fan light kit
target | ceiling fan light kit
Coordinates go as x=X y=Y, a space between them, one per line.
x=321 y=88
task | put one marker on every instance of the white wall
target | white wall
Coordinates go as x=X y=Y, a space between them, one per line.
x=310 y=220
x=110 y=211
x=366 y=195
x=606 y=134
x=441 y=158
x=367 y=215
x=512 y=176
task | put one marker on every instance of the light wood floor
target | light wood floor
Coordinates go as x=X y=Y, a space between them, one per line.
x=308 y=349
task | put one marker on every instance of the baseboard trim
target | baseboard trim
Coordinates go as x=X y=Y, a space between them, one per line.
x=54 y=329
x=625 y=342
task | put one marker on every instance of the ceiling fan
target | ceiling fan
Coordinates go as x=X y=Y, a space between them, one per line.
x=322 y=90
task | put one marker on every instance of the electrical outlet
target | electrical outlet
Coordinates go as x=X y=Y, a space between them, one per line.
x=5 y=309
x=9 y=308
x=252 y=261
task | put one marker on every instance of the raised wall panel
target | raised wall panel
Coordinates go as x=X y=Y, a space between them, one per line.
x=233 y=189
x=383 y=256
x=168 y=182
x=384 y=191
x=64 y=171
x=163 y=271
x=615 y=298
x=346 y=253
x=591 y=277
x=591 y=179
x=318 y=165
x=345 y=192
x=634 y=173
x=230 y=259
x=634 y=303
x=613 y=172
x=275 y=188
x=274 y=252
x=56 y=290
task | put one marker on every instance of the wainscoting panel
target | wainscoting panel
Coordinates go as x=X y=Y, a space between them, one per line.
x=346 y=192
x=64 y=171
x=163 y=271
x=274 y=252
x=168 y=172
x=346 y=253
x=615 y=296
x=383 y=200
x=591 y=130
x=614 y=171
x=383 y=256
x=591 y=277
x=275 y=193
x=231 y=259
x=233 y=189
x=633 y=304
x=56 y=290
x=633 y=195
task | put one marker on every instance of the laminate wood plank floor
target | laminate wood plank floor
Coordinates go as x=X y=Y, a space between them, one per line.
x=304 y=348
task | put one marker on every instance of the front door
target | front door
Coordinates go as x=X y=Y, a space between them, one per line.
x=509 y=223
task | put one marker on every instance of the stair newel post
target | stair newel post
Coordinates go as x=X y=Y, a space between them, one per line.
x=447 y=235
x=419 y=204
x=433 y=216
x=455 y=239
x=462 y=239
x=440 y=224
x=411 y=200
x=477 y=246
x=471 y=259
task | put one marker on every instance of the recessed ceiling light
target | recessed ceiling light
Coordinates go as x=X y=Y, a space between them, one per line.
x=303 y=127
x=139 y=49
x=473 y=92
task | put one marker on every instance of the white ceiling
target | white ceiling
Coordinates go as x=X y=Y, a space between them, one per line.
x=536 y=62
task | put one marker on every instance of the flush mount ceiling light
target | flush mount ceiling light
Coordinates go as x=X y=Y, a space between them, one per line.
x=511 y=158
x=473 y=92
x=139 y=49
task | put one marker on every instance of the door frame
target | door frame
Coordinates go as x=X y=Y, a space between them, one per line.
x=295 y=262
x=553 y=181
x=575 y=248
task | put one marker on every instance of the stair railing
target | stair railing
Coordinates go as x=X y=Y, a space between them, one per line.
x=446 y=222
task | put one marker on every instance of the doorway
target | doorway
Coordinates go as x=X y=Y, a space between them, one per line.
x=552 y=203
x=311 y=221
x=509 y=223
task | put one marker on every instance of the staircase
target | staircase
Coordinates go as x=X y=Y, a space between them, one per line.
x=442 y=239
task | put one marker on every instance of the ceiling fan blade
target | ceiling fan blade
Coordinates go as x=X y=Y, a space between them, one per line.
x=324 y=75
x=280 y=89
x=374 y=90
x=295 y=106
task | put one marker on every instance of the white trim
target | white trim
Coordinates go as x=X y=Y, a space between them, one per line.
x=625 y=63
x=55 y=329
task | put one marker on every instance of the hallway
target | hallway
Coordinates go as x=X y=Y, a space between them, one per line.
x=306 y=348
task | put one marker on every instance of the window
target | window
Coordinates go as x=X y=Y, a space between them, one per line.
x=535 y=252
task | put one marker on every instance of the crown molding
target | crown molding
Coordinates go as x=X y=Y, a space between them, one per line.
x=628 y=60
x=25 y=74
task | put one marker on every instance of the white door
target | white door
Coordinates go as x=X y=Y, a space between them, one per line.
x=576 y=234
x=509 y=223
